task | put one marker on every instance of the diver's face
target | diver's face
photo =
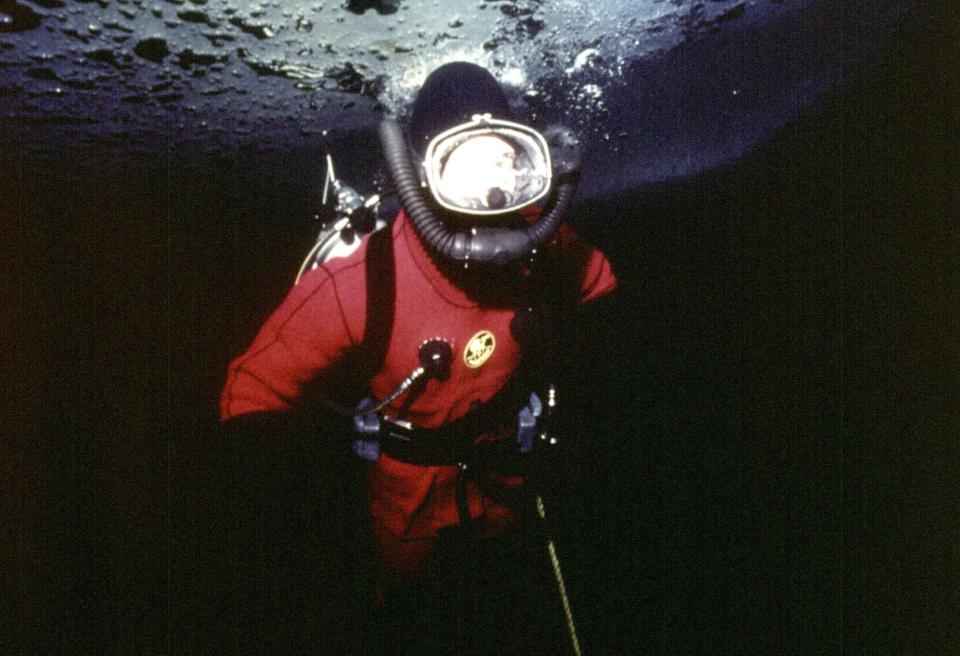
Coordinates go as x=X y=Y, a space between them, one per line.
x=481 y=172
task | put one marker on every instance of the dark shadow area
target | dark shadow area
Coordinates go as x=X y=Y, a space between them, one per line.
x=381 y=6
x=762 y=445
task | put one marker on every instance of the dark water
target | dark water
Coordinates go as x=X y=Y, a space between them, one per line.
x=763 y=446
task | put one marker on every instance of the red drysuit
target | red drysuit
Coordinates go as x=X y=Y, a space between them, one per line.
x=324 y=315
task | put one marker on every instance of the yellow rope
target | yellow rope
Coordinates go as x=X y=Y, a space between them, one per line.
x=552 y=550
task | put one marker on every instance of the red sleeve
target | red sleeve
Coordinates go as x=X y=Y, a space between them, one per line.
x=594 y=276
x=305 y=335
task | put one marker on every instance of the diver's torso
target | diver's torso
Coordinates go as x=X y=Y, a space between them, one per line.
x=428 y=306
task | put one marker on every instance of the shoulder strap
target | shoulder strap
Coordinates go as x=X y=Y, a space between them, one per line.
x=381 y=281
x=548 y=296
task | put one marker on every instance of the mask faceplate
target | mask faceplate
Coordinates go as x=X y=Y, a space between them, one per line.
x=488 y=167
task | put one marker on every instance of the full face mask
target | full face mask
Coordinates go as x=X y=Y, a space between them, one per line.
x=483 y=168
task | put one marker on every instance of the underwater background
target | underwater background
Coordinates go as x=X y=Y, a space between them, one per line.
x=761 y=442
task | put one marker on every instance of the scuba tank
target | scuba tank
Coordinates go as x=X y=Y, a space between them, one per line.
x=348 y=218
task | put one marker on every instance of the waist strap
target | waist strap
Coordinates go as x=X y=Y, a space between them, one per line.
x=502 y=456
x=456 y=442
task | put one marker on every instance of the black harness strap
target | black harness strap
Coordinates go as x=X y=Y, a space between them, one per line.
x=381 y=283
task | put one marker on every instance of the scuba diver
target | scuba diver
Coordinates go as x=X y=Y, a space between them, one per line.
x=446 y=320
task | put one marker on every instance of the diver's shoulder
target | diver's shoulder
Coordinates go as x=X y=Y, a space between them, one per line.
x=341 y=270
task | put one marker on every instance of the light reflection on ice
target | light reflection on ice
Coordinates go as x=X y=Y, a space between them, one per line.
x=281 y=61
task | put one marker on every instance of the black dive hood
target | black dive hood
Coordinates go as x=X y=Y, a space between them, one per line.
x=493 y=245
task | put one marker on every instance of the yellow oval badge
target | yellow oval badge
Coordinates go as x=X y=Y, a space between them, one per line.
x=479 y=349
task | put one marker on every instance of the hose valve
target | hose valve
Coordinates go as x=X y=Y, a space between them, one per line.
x=436 y=356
